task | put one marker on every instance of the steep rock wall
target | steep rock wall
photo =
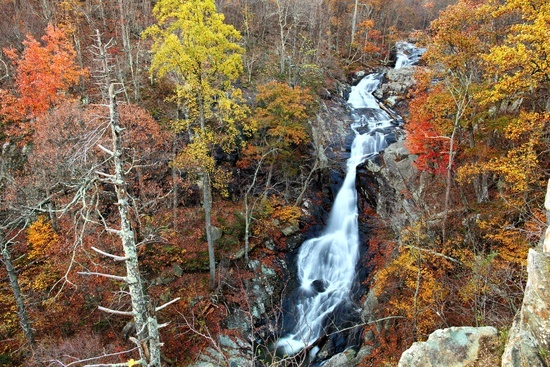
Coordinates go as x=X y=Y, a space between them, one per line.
x=528 y=342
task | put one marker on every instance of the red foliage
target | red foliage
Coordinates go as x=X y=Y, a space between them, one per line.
x=425 y=137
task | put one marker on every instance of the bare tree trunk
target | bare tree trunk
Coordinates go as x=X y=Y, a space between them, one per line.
x=174 y=190
x=282 y=13
x=51 y=210
x=14 y=284
x=461 y=99
x=145 y=322
x=353 y=26
x=127 y=45
x=207 y=206
x=249 y=208
x=248 y=212
x=448 y=181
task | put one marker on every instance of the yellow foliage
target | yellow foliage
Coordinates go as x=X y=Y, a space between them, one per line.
x=522 y=62
x=420 y=289
x=511 y=243
x=45 y=279
x=288 y=214
x=41 y=238
x=519 y=169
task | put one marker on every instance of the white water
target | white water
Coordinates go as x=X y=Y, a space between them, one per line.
x=407 y=54
x=326 y=265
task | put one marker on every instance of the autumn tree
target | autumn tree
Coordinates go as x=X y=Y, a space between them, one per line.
x=280 y=123
x=147 y=328
x=44 y=72
x=516 y=96
x=483 y=131
x=446 y=114
x=520 y=62
x=195 y=49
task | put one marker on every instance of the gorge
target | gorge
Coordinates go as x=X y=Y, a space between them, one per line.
x=326 y=265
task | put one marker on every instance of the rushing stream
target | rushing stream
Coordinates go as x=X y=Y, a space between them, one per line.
x=326 y=265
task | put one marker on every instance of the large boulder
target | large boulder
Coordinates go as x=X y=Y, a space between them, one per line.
x=451 y=347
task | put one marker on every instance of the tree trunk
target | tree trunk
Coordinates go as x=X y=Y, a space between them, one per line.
x=353 y=25
x=282 y=14
x=14 y=284
x=247 y=221
x=207 y=206
x=174 y=188
x=145 y=329
x=481 y=180
x=448 y=180
x=51 y=210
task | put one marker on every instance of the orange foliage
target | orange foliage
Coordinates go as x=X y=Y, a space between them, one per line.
x=45 y=72
x=282 y=114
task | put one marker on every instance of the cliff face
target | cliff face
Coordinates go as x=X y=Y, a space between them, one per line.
x=528 y=342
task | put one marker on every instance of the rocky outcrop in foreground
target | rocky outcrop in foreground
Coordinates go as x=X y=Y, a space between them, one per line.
x=529 y=338
x=451 y=347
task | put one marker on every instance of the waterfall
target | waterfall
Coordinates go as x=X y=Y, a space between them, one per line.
x=407 y=54
x=326 y=264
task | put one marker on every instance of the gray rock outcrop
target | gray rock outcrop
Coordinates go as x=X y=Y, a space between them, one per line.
x=226 y=351
x=451 y=347
x=528 y=342
x=399 y=195
x=396 y=85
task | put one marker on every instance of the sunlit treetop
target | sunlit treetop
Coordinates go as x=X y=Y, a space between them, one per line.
x=521 y=62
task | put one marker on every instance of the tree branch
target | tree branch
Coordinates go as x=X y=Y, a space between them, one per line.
x=116 y=277
x=110 y=152
x=114 y=257
x=167 y=304
x=116 y=312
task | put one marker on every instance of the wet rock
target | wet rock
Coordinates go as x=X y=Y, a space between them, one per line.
x=238 y=320
x=396 y=84
x=264 y=288
x=228 y=351
x=319 y=285
x=397 y=195
x=293 y=242
x=451 y=347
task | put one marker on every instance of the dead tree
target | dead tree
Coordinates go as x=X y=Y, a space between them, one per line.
x=147 y=329
x=14 y=285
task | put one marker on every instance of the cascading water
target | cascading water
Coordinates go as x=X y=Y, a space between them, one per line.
x=407 y=54
x=326 y=264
